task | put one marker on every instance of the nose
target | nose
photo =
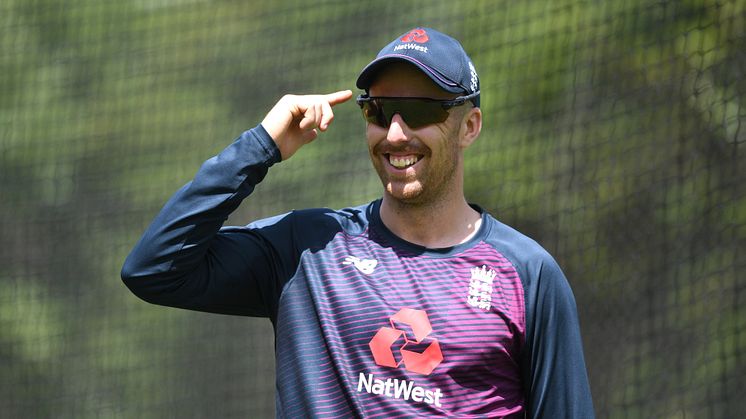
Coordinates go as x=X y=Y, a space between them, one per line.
x=398 y=129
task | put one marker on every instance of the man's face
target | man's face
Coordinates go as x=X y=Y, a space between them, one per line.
x=418 y=165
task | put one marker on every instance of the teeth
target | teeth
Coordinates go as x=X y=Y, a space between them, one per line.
x=400 y=162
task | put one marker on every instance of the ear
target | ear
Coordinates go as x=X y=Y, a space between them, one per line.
x=471 y=126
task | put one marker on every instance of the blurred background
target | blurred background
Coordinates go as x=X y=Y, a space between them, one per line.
x=614 y=135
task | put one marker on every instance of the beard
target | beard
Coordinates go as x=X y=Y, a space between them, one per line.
x=436 y=174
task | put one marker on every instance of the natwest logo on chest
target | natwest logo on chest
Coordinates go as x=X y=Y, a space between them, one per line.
x=398 y=389
x=423 y=362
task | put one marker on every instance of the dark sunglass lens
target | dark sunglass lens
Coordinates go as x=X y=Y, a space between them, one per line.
x=373 y=113
x=416 y=113
x=419 y=113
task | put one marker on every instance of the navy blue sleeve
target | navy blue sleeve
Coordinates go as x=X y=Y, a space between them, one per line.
x=185 y=260
x=553 y=364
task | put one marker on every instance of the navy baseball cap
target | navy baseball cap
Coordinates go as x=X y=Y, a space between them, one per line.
x=438 y=55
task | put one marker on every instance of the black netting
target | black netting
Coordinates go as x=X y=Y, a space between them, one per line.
x=614 y=135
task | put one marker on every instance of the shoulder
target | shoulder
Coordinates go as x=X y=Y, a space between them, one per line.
x=546 y=290
x=532 y=262
x=516 y=246
x=346 y=218
x=312 y=227
x=351 y=220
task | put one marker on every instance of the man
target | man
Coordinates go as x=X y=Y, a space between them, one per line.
x=415 y=305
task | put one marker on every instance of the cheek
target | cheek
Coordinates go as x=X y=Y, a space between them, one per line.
x=447 y=144
x=374 y=134
x=436 y=137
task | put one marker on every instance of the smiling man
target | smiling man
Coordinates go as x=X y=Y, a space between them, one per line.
x=421 y=166
x=418 y=304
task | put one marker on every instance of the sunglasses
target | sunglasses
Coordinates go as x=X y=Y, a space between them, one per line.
x=416 y=111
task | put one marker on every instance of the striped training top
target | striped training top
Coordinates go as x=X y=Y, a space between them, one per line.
x=367 y=324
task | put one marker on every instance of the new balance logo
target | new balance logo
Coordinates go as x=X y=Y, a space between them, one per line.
x=365 y=266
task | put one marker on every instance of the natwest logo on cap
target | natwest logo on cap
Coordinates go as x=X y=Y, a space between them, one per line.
x=416 y=35
x=421 y=362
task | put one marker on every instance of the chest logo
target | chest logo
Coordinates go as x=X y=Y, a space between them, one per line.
x=406 y=342
x=480 y=288
x=365 y=266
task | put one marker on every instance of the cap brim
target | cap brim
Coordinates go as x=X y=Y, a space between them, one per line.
x=368 y=75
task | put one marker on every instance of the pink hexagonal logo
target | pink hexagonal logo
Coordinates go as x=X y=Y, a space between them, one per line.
x=404 y=342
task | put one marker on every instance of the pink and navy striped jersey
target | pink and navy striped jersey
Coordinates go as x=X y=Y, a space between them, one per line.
x=367 y=324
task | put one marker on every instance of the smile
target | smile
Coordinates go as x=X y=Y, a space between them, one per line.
x=402 y=162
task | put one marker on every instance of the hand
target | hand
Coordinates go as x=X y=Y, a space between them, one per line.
x=295 y=119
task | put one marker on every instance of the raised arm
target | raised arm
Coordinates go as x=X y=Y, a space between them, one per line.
x=185 y=260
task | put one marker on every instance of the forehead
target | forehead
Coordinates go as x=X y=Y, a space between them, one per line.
x=404 y=79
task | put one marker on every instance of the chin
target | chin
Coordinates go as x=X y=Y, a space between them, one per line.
x=409 y=194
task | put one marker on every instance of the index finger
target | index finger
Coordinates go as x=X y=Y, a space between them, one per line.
x=338 y=97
